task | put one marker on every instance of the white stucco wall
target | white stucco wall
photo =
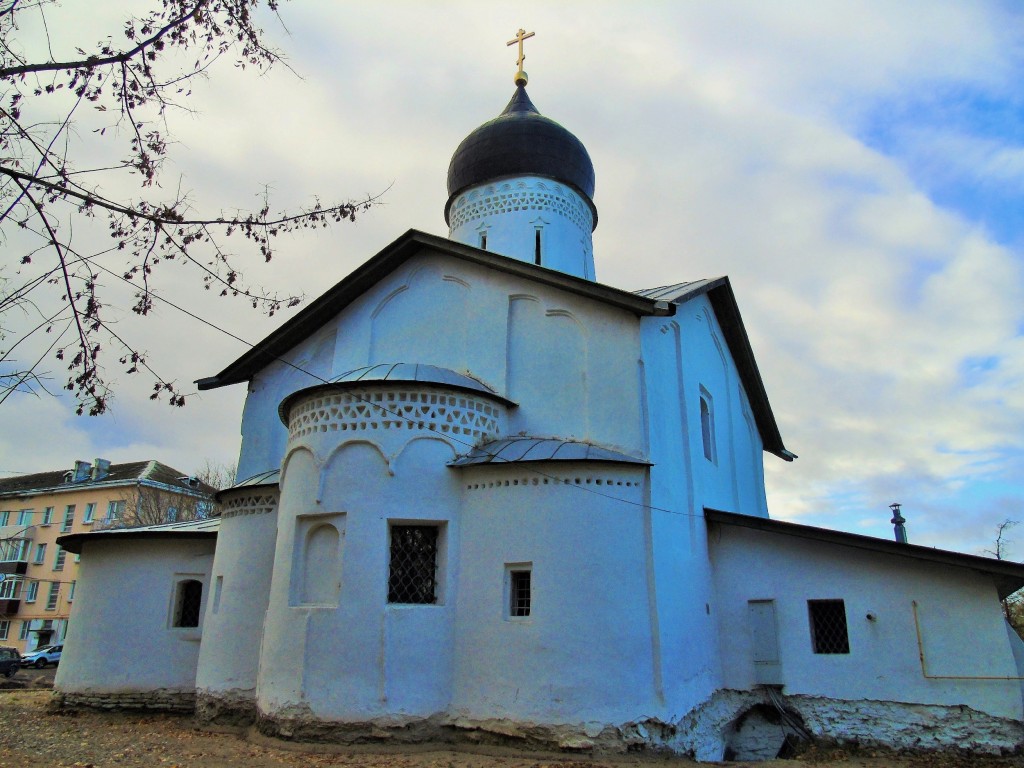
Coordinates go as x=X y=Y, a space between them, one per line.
x=510 y=212
x=346 y=654
x=962 y=627
x=586 y=652
x=239 y=588
x=122 y=638
x=582 y=382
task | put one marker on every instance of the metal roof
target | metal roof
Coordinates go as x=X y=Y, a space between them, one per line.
x=268 y=478
x=519 y=449
x=130 y=473
x=394 y=372
x=521 y=142
x=190 y=529
x=1008 y=576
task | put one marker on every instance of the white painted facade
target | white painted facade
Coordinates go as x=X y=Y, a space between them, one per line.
x=638 y=630
x=123 y=639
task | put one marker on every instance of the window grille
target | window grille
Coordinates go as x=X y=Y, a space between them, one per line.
x=190 y=598
x=828 y=626
x=413 y=572
x=519 y=593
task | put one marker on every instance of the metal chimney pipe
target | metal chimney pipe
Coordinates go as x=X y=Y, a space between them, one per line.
x=897 y=523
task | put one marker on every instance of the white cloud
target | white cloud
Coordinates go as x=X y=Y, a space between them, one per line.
x=724 y=142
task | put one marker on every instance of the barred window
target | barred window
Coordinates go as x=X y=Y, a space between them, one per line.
x=828 y=626
x=189 y=599
x=412 y=576
x=519 y=593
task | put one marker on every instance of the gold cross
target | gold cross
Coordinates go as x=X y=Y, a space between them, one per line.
x=520 y=36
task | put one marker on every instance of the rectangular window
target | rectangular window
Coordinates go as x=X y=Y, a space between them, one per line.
x=51 y=599
x=23 y=634
x=31 y=591
x=40 y=553
x=5 y=518
x=25 y=518
x=5 y=628
x=519 y=594
x=69 y=518
x=90 y=512
x=71 y=591
x=115 y=510
x=188 y=601
x=412 y=574
x=9 y=589
x=47 y=516
x=59 y=557
x=828 y=626
x=14 y=550
x=172 y=514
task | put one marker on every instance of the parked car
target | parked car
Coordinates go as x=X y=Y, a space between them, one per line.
x=40 y=657
x=10 y=661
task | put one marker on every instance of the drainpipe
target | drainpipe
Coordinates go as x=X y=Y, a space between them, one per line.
x=897 y=523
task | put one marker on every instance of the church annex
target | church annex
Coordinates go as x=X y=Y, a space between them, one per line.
x=492 y=500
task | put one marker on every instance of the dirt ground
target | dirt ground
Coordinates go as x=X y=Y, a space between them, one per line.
x=33 y=737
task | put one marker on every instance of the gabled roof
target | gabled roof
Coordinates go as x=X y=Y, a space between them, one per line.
x=351 y=287
x=1008 y=576
x=652 y=302
x=727 y=310
x=118 y=474
x=190 y=529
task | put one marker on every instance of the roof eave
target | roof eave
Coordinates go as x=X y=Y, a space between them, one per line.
x=335 y=299
x=1007 y=576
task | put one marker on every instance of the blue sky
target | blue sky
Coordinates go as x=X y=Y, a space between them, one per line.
x=855 y=168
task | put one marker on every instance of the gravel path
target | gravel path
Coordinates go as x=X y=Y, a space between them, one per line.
x=33 y=737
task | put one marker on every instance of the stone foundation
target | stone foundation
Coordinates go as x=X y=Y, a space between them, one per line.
x=160 y=700
x=724 y=724
x=236 y=708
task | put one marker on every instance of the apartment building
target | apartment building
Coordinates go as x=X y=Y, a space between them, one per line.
x=37 y=576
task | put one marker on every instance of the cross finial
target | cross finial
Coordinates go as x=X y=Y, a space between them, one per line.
x=522 y=34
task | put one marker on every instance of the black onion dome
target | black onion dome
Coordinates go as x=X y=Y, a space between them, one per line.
x=521 y=142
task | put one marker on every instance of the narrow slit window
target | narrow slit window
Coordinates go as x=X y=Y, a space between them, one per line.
x=483 y=241
x=828 y=626
x=519 y=593
x=536 y=247
x=707 y=425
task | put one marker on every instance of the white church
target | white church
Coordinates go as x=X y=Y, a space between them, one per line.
x=492 y=500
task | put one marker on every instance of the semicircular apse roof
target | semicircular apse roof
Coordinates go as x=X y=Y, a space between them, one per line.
x=397 y=373
x=520 y=449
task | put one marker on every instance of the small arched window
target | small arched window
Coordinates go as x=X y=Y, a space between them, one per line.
x=187 y=603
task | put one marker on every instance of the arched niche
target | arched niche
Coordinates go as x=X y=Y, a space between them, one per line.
x=424 y=321
x=547 y=366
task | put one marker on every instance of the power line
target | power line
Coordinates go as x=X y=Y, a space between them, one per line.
x=322 y=380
